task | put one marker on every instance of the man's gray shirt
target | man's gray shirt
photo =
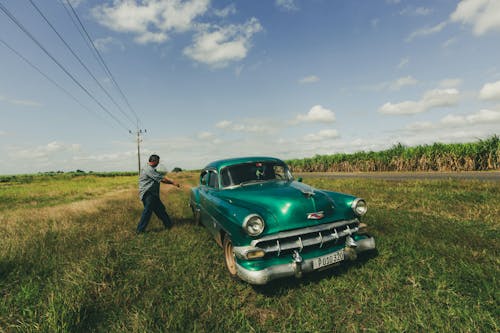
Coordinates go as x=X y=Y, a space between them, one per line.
x=149 y=181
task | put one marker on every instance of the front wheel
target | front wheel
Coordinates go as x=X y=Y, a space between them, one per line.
x=229 y=258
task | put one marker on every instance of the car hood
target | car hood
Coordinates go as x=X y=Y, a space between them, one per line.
x=291 y=204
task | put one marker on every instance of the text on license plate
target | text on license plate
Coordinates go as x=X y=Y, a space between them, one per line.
x=328 y=259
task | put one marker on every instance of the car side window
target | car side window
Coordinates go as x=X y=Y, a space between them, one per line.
x=204 y=178
x=213 y=180
x=279 y=172
x=225 y=177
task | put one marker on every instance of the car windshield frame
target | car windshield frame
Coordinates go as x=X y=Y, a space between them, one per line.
x=255 y=172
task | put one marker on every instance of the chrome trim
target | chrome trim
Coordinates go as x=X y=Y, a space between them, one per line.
x=297 y=264
x=308 y=230
x=298 y=239
x=291 y=269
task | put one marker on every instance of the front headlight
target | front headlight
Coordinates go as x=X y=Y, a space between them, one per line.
x=253 y=225
x=359 y=207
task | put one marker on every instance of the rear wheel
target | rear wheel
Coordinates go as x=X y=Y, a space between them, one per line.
x=229 y=258
x=196 y=215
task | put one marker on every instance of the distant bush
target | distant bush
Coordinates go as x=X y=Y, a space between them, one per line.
x=29 y=178
x=176 y=169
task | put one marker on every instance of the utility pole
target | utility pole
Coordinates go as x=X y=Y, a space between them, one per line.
x=139 y=140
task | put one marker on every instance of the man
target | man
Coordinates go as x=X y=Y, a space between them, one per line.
x=149 y=192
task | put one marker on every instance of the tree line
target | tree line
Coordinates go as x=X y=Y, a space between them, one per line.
x=476 y=156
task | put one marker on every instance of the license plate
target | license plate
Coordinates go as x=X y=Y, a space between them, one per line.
x=328 y=259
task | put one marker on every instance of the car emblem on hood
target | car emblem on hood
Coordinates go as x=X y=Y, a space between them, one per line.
x=309 y=193
x=316 y=215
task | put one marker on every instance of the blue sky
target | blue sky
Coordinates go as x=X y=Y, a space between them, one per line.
x=210 y=79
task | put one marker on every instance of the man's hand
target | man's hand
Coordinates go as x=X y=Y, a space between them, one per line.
x=171 y=182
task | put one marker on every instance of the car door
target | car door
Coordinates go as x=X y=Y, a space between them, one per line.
x=203 y=189
x=208 y=200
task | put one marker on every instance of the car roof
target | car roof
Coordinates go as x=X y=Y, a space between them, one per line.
x=239 y=160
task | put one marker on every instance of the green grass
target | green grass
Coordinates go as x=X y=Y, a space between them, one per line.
x=76 y=267
x=41 y=191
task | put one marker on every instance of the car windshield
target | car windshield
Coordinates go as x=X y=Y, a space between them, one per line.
x=241 y=174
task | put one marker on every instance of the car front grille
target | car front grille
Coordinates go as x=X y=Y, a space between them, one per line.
x=320 y=236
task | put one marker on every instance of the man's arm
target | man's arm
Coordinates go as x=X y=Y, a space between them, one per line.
x=169 y=181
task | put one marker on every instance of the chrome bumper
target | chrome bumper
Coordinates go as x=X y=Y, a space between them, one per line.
x=299 y=265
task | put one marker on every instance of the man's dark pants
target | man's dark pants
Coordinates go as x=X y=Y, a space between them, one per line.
x=152 y=203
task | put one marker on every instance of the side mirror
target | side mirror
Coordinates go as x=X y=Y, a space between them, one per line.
x=299 y=179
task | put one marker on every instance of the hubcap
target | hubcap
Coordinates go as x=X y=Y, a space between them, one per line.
x=230 y=261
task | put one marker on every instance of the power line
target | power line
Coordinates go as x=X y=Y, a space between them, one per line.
x=90 y=42
x=106 y=69
x=49 y=79
x=79 y=60
x=13 y=19
x=42 y=73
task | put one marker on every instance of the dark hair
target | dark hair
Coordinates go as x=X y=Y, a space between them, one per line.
x=154 y=158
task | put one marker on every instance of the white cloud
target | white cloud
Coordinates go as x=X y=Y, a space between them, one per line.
x=151 y=20
x=44 y=152
x=440 y=98
x=224 y=124
x=326 y=134
x=407 y=107
x=490 y=91
x=450 y=83
x=249 y=125
x=426 y=31
x=317 y=114
x=225 y=12
x=449 y=42
x=431 y=99
x=76 y=3
x=22 y=102
x=481 y=117
x=309 y=79
x=105 y=44
x=206 y=136
x=238 y=70
x=402 y=82
x=421 y=126
x=218 y=46
x=483 y=15
x=3 y=133
x=403 y=62
x=394 y=85
x=288 y=5
x=25 y=102
x=456 y=121
x=416 y=11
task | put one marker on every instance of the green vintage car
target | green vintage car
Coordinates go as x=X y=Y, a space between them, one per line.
x=272 y=226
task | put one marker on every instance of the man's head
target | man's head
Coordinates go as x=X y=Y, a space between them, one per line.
x=154 y=160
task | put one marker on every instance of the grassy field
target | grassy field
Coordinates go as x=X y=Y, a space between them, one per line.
x=70 y=262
